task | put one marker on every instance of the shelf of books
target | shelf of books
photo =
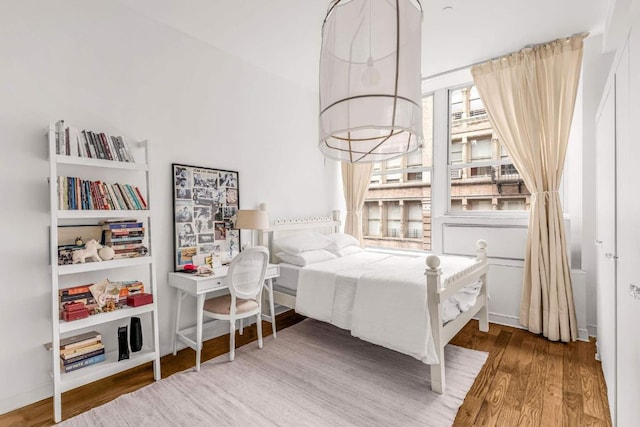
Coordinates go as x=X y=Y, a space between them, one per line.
x=99 y=225
x=109 y=366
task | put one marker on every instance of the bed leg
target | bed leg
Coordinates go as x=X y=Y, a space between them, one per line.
x=484 y=319
x=437 y=376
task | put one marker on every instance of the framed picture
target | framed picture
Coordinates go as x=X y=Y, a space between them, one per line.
x=204 y=202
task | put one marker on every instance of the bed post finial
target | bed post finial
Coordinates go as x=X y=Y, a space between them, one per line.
x=481 y=252
x=433 y=262
x=335 y=214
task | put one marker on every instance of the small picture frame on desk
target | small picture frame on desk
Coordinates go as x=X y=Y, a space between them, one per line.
x=205 y=200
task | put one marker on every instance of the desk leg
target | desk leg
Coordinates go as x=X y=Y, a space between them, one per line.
x=271 y=306
x=199 y=311
x=180 y=295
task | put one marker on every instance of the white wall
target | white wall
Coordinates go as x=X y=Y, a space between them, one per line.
x=100 y=66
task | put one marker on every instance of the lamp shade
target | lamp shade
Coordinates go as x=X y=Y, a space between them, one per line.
x=370 y=80
x=252 y=220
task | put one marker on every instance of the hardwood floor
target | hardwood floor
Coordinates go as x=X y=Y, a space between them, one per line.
x=530 y=381
x=526 y=381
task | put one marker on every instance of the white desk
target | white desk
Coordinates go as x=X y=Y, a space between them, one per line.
x=199 y=287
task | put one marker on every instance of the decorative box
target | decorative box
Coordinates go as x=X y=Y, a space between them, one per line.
x=68 y=316
x=139 y=299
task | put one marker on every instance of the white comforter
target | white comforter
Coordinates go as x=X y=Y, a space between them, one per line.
x=381 y=298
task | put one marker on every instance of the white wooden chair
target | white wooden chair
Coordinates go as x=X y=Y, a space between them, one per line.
x=245 y=282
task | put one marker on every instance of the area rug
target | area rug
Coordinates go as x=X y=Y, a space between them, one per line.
x=313 y=374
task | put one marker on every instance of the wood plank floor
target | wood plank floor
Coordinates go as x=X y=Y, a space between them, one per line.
x=527 y=381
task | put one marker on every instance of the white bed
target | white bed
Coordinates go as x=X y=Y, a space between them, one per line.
x=380 y=298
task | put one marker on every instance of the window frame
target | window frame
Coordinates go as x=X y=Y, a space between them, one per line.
x=441 y=92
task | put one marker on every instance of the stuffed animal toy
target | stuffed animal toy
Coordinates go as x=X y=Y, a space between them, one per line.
x=90 y=251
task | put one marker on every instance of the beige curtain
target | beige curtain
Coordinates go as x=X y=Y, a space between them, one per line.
x=530 y=96
x=355 y=181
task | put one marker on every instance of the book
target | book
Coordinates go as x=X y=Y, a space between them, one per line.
x=142 y=200
x=73 y=141
x=91 y=150
x=90 y=345
x=74 y=339
x=73 y=297
x=81 y=351
x=82 y=147
x=60 y=137
x=120 y=225
x=126 y=246
x=124 y=239
x=105 y=146
x=133 y=195
x=125 y=148
x=82 y=363
x=126 y=232
x=126 y=255
x=75 y=290
x=71 y=359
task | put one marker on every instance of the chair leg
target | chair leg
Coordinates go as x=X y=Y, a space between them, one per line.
x=241 y=330
x=259 y=326
x=232 y=340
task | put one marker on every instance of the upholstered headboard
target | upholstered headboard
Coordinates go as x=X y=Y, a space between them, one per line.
x=287 y=226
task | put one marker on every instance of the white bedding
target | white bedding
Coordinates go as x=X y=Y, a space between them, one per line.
x=288 y=277
x=381 y=298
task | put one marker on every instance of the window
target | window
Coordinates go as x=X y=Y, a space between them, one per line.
x=475 y=167
x=372 y=214
x=394 y=219
x=457 y=108
x=414 y=220
x=512 y=204
x=479 y=205
x=481 y=172
x=481 y=149
x=455 y=151
x=390 y=166
x=476 y=107
x=403 y=188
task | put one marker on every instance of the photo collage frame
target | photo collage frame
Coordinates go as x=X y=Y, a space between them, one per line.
x=205 y=202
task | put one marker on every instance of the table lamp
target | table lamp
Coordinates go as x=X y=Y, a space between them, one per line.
x=252 y=220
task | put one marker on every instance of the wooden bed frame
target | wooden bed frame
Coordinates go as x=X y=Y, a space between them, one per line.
x=442 y=334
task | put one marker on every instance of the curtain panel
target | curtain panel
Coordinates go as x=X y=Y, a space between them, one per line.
x=530 y=97
x=355 y=182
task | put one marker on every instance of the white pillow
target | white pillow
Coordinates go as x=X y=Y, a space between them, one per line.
x=307 y=257
x=341 y=240
x=295 y=243
x=348 y=250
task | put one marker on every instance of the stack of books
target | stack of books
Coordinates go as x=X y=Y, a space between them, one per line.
x=81 y=194
x=124 y=237
x=75 y=296
x=72 y=141
x=80 y=351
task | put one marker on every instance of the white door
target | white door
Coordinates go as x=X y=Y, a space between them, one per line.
x=628 y=233
x=606 y=238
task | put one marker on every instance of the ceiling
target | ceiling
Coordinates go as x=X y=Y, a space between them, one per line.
x=283 y=36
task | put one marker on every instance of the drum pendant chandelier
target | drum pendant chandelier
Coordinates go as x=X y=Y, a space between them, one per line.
x=370 y=81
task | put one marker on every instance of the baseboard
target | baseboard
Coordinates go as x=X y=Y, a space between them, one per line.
x=513 y=321
x=504 y=319
x=20 y=400
x=593 y=330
